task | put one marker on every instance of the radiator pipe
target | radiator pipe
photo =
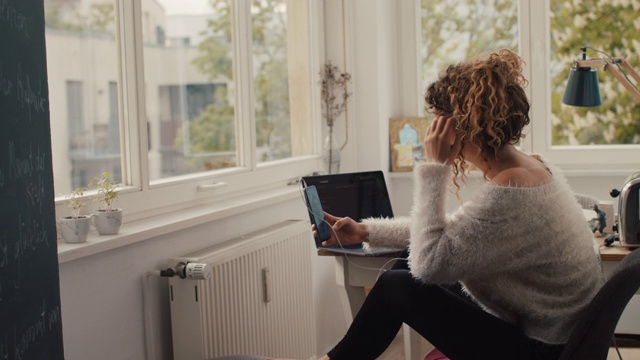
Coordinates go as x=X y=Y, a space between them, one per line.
x=148 y=319
x=167 y=273
x=193 y=271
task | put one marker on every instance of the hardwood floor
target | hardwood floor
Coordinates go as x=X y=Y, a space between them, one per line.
x=396 y=351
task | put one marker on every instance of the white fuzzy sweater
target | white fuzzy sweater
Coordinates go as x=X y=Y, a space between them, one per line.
x=525 y=255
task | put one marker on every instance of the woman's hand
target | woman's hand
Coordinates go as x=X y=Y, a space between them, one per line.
x=442 y=142
x=344 y=230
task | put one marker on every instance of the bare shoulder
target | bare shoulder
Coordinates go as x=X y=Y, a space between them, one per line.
x=523 y=176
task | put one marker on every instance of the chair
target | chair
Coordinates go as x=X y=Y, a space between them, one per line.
x=591 y=338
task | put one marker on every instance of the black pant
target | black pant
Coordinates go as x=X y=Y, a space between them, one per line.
x=444 y=316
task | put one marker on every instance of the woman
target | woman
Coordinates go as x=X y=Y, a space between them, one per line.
x=520 y=248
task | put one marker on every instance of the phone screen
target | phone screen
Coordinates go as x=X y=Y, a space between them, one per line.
x=316 y=213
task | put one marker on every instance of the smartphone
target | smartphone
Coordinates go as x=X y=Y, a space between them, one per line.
x=316 y=214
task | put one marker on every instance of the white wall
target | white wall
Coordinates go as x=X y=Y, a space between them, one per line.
x=102 y=294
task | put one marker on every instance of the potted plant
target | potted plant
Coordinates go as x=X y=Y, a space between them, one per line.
x=75 y=228
x=106 y=219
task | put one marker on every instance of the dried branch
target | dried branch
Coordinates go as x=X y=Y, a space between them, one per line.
x=334 y=92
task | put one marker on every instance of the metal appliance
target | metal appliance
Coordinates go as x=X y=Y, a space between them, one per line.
x=629 y=210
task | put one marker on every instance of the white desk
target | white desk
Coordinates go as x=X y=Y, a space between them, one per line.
x=355 y=273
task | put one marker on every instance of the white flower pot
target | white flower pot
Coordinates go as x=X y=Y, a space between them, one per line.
x=74 y=231
x=107 y=222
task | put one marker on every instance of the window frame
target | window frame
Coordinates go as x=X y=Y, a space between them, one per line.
x=534 y=48
x=139 y=197
x=585 y=159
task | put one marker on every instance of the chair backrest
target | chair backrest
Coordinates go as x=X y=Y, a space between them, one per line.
x=594 y=331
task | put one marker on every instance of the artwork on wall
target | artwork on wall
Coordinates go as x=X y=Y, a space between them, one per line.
x=406 y=137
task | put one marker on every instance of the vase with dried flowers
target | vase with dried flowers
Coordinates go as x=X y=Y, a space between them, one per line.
x=334 y=94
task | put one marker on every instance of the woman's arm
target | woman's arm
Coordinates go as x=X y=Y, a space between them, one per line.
x=384 y=232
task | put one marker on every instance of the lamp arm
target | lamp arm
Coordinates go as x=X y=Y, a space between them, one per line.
x=610 y=65
x=630 y=70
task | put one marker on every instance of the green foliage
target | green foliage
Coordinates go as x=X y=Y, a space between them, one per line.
x=68 y=16
x=208 y=132
x=576 y=24
x=106 y=187
x=102 y=17
x=76 y=202
x=211 y=132
x=215 y=59
x=455 y=30
x=214 y=130
x=53 y=15
x=271 y=87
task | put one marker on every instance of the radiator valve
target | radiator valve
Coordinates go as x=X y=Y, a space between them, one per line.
x=194 y=271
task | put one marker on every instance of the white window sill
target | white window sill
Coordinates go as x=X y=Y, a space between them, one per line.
x=145 y=229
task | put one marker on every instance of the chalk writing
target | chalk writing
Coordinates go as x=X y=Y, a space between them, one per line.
x=5 y=83
x=35 y=331
x=4 y=261
x=4 y=347
x=27 y=96
x=25 y=167
x=13 y=18
x=35 y=194
x=30 y=321
x=17 y=275
x=4 y=252
x=31 y=234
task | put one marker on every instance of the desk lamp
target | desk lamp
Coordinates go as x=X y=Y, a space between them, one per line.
x=582 y=86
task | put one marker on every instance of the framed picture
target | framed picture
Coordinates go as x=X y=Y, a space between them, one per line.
x=406 y=137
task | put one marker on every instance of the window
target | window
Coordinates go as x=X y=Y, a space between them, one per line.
x=168 y=95
x=603 y=138
x=81 y=56
x=455 y=30
x=612 y=122
x=75 y=114
x=209 y=142
x=549 y=35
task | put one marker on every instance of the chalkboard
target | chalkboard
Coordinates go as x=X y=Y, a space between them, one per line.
x=30 y=318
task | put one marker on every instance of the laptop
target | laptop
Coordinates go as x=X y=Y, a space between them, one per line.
x=357 y=195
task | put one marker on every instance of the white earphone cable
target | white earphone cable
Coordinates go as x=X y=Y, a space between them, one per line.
x=335 y=233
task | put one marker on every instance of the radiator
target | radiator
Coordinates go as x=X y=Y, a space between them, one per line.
x=257 y=301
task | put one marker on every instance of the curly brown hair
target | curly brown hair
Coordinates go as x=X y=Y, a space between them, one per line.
x=486 y=98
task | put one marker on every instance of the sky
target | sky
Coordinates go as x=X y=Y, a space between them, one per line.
x=175 y=7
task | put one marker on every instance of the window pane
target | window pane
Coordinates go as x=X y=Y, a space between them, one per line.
x=454 y=30
x=189 y=86
x=575 y=24
x=83 y=89
x=271 y=80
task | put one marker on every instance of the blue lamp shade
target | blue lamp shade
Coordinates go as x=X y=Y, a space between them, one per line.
x=582 y=88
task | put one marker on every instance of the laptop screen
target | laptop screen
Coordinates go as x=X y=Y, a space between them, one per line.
x=356 y=195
